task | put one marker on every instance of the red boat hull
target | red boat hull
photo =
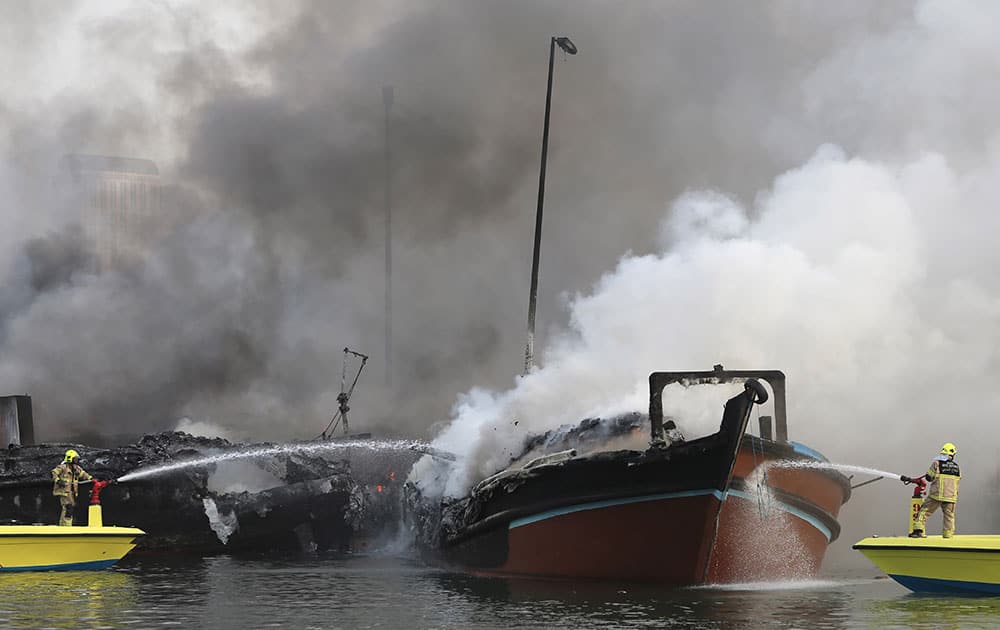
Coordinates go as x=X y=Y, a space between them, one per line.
x=776 y=526
x=605 y=541
x=747 y=537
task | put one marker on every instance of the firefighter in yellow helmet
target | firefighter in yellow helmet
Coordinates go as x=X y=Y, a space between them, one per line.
x=943 y=476
x=65 y=478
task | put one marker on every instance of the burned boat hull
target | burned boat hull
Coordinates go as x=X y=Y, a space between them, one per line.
x=777 y=523
x=311 y=504
x=691 y=512
x=627 y=515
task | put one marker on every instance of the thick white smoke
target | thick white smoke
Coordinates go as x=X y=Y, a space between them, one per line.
x=828 y=278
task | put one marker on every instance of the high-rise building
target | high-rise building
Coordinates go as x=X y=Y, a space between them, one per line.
x=119 y=200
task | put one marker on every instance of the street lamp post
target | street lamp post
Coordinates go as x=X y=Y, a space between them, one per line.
x=529 y=352
x=387 y=99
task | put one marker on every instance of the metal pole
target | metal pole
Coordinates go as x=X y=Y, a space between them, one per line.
x=387 y=101
x=529 y=351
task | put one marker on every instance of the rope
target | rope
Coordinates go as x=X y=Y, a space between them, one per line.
x=763 y=493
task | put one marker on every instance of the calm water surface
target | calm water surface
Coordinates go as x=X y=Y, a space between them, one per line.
x=390 y=592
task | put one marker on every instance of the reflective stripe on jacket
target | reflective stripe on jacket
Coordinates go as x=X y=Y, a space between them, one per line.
x=944 y=477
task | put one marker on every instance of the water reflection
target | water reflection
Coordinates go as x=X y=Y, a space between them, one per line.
x=390 y=592
x=932 y=611
x=599 y=604
x=65 y=599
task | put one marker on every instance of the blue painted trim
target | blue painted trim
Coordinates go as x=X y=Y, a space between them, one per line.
x=794 y=511
x=73 y=566
x=802 y=449
x=932 y=585
x=597 y=505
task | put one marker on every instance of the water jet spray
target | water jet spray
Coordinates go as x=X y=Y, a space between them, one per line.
x=307 y=448
x=864 y=470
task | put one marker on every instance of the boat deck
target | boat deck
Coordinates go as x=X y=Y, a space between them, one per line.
x=962 y=542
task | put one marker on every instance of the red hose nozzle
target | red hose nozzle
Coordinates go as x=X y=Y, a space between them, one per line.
x=95 y=491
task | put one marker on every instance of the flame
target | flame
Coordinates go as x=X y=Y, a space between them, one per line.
x=378 y=488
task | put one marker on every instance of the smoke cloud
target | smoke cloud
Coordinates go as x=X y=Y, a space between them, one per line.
x=769 y=186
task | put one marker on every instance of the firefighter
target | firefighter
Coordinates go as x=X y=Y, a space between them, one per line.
x=943 y=476
x=65 y=479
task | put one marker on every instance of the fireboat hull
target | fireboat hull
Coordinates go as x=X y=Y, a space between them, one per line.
x=58 y=548
x=961 y=564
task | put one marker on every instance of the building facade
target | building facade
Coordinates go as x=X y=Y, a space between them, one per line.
x=120 y=202
x=16 y=423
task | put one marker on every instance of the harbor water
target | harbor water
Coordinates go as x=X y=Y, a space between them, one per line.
x=399 y=592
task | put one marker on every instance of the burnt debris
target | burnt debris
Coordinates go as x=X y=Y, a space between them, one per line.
x=287 y=501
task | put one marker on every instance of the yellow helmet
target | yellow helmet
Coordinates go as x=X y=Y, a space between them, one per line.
x=948 y=449
x=71 y=455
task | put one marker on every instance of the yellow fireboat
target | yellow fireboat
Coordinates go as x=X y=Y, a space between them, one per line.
x=934 y=564
x=960 y=564
x=65 y=548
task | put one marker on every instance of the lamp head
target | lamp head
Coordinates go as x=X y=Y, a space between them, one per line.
x=567 y=45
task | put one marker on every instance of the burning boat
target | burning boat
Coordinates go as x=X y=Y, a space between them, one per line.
x=287 y=501
x=677 y=512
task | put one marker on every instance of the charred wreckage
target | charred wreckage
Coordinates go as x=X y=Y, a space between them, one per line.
x=286 y=501
x=278 y=499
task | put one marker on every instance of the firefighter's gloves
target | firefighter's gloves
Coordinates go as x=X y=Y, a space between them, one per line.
x=905 y=479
